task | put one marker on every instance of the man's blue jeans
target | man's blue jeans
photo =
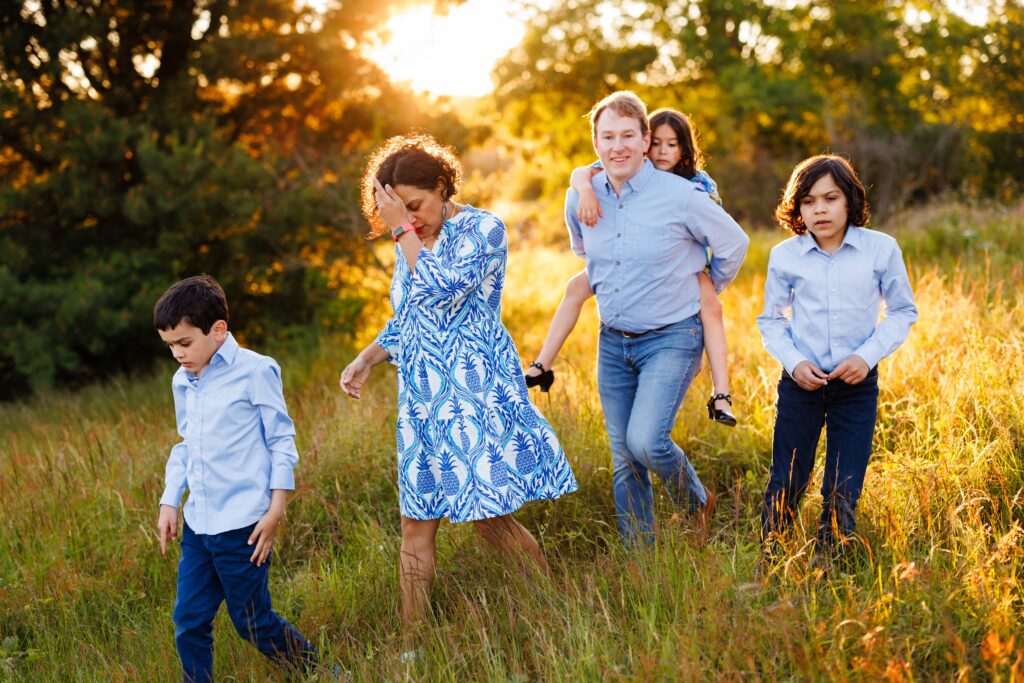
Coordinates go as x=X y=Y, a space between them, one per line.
x=215 y=568
x=847 y=411
x=642 y=382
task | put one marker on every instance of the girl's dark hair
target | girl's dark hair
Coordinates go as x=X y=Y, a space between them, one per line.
x=692 y=159
x=810 y=171
x=198 y=301
x=416 y=159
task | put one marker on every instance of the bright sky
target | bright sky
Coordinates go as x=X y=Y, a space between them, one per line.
x=452 y=54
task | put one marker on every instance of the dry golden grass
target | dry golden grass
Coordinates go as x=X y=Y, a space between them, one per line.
x=85 y=595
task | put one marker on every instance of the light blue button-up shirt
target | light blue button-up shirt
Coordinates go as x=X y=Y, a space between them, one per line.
x=825 y=307
x=644 y=255
x=237 y=444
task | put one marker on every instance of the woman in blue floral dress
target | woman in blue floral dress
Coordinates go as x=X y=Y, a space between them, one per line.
x=471 y=446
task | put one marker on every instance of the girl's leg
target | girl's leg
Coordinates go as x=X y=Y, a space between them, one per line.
x=416 y=560
x=577 y=291
x=513 y=540
x=714 y=338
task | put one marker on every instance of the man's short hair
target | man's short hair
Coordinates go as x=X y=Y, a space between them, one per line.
x=198 y=301
x=623 y=103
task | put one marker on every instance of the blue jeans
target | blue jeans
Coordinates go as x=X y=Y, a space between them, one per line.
x=847 y=411
x=642 y=381
x=215 y=568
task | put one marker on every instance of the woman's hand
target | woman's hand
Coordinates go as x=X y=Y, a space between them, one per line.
x=390 y=206
x=354 y=376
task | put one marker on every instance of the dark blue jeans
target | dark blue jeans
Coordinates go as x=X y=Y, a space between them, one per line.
x=215 y=568
x=642 y=381
x=847 y=411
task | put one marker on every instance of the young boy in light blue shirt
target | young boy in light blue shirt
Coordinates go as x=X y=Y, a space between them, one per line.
x=236 y=459
x=822 y=297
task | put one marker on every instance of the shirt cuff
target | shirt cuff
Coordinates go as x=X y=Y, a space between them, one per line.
x=282 y=477
x=791 y=360
x=171 y=497
x=871 y=352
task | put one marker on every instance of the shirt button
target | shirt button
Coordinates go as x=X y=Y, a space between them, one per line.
x=619 y=235
x=620 y=206
x=619 y=263
x=616 y=289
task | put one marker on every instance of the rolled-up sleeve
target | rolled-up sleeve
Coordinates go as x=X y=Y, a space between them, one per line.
x=278 y=429
x=776 y=332
x=710 y=224
x=481 y=252
x=900 y=311
x=175 y=480
x=572 y=223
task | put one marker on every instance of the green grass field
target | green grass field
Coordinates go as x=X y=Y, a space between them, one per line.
x=935 y=594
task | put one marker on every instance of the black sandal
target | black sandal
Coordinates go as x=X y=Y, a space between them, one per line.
x=544 y=380
x=722 y=416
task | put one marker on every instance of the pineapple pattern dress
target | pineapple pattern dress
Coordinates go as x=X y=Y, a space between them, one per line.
x=470 y=444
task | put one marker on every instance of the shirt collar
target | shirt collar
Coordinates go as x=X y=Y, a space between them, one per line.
x=636 y=182
x=852 y=238
x=228 y=350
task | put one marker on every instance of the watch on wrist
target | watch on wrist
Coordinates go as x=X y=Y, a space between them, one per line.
x=401 y=230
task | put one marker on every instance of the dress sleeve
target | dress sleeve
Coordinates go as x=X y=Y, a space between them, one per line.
x=388 y=339
x=481 y=252
x=707 y=184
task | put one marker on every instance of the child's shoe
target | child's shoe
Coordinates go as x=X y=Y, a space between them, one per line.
x=720 y=415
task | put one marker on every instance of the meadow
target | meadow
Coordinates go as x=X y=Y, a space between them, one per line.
x=934 y=593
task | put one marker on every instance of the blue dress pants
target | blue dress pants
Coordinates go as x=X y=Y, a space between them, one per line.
x=847 y=411
x=215 y=568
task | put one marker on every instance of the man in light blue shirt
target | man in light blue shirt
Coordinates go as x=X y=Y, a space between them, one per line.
x=642 y=261
x=236 y=459
x=822 y=297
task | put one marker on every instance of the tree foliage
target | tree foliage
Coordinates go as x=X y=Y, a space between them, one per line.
x=921 y=100
x=143 y=141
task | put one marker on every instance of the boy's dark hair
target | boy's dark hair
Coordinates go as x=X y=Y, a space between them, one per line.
x=692 y=160
x=808 y=172
x=197 y=300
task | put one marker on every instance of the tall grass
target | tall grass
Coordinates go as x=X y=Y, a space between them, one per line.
x=936 y=593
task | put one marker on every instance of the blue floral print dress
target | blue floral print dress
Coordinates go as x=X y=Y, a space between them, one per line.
x=470 y=444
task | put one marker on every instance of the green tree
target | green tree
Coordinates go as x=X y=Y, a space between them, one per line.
x=145 y=141
x=901 y=88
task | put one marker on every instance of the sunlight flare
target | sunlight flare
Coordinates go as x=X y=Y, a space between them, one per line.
x=451 y=54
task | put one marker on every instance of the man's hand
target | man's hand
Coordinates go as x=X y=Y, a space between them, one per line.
x=852 y=370
x=809 y=376
x=167 y=525
x=263 y=534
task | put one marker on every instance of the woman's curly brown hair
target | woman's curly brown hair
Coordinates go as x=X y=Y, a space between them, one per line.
x=808 y=172
x=416 y=159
